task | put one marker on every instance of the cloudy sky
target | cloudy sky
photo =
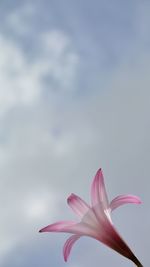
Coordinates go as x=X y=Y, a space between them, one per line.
x=74 y=96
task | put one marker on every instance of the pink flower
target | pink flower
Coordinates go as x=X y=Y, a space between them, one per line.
x=95 y=220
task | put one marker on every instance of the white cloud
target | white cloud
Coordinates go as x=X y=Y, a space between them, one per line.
x=29 y=204
x=22 y=80
x=37 y=206
x=63 y=61
x=19 y=83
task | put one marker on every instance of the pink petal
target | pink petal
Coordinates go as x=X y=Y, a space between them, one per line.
x=90 y=218
x=70 y=227
x=57 y=227
x=112 y=239
x=82 y=228
x=124 y=199
x=79 y=206
x=68 y=245
x=98 y=191
x=109 y=236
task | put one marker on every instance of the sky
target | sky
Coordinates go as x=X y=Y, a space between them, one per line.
x=74 y=96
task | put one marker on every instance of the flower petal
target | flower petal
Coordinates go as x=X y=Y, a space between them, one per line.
x=112 y=239
x=124 y=199
x=79 y=206
x=57 y=227
x=68 y=245
x=70 y=227
x=98 y=191
x=109 y=236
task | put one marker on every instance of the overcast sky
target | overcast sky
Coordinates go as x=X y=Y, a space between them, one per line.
x=74 y=96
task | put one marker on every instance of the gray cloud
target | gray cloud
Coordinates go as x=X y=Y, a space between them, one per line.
x=53 y=141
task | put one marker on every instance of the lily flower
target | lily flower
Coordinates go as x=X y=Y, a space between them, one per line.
x=95 y=220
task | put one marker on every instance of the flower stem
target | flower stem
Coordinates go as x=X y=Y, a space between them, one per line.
x=139 y=265
x=137 y=262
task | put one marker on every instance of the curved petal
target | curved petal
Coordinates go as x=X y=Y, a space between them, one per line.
x=68 y=245
x=79 y=206
x=123 y=199
x=98 y=191
x=57 y=227
x=71 y=227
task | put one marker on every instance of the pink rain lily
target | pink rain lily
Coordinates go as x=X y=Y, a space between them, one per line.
x=95 y=220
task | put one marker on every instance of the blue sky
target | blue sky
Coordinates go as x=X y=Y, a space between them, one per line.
x=74 y=97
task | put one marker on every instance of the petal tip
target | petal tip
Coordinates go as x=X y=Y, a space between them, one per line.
x=41 y=230
x=65 y=258
x=99 y=170
x=99 y=174
x=71 y=197
x=137 y=200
